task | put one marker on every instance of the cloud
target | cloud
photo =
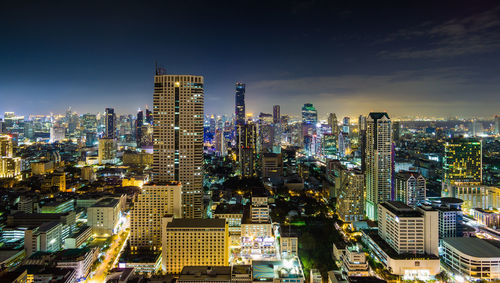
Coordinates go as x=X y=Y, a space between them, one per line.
x=442 y=92
x=460 y=36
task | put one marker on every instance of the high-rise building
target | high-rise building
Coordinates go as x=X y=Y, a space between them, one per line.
x=309 y=114
x=463 y=162
x=247 y=136
x=332 y=121
x=496 y=129
x=346 y=122
x=107 y=151
x=57 y=133
x=178 y=102
x=410 y=188
x=194 y=242
x=138 y=127
x=362 y=140
x=276 y=114
x=240 y=104
x=110 y=120
x=272 y=166
x=396 y=131
x=350 y=204
x=378 y=161
x=6 y=146
x=150 y=205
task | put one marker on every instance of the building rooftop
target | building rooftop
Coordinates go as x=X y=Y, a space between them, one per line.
x=400 y=209
x=205 y=273
x=475 y=247
x=107 y=202
x=48 y=226
x=197 y=223
x=229 y=209
x=72 y=254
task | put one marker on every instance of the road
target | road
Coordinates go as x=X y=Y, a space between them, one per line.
x=110 y=258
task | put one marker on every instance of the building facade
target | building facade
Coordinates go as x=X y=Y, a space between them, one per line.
x=378 y=162
x=178 y=103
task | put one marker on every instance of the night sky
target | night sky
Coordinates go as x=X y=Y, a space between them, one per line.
x=408 y=59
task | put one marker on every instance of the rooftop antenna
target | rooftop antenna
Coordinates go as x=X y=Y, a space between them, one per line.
x=159 y=70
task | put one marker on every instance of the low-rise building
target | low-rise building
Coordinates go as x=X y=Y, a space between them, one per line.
x=198 y=274
x=278 y=271
x=188 y=242
x=79 y=259
x=472 y=258
x=104 y=216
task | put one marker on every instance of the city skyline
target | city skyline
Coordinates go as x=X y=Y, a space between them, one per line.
x=348 y=59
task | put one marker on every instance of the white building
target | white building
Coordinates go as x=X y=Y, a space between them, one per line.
x=104 y=216
x=79 y=259
x=472 y=258
x=46 y=237
x=409 y=231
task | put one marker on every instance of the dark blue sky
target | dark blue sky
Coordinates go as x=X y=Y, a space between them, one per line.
x=410 y=59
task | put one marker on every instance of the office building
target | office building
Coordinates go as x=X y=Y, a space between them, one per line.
x=240 y=104
x=272 y=166
x=333 y=123
x=410 y=188
x=80 y=260
x=178 y=136
x=378 y=161
x=407 y=240
x=485 y=197
x=139 y=122
x=472 y=258
x=104 y=216
x=408 y=231
x=309 y=114
x=463 y=162
x=203 y=274
x=107 y=151
x=46 y=237
x=57 y=133
x=496 y=126
x=247 y=139
x=350 y=203
x=10 y=166
x=276 y=114
x=110 y=123
x=194 y=242
x=150 y=205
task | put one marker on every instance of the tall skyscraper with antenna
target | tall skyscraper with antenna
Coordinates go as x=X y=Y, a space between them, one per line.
x=178 y=102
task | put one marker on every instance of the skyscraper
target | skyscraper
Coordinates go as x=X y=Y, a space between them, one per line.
x=332 y=121
x=497 y=125
x=410 y=188
x=247 y=135
x=110 y=120
x=309 y=114
x=276 y=114
x=178 y=102
x=138 y=127
x=240 y=104
x=463 y=163
x=378 y=161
